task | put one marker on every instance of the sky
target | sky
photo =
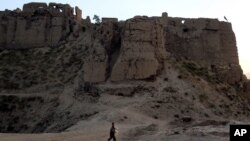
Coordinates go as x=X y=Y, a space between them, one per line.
x=237 y=12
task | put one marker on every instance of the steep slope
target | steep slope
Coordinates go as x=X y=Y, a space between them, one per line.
x=182 y=89
x=140 y=109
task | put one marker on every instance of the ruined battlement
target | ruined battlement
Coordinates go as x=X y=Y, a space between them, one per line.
x=33 y=6
x=55 y=9
x=209 y=42
x=38 y=25
x=142 y=41
x=105 y=20
x=147 y=41
x=214 y=38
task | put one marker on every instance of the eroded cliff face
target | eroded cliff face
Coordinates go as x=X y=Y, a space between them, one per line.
x=209 y=42
x=142 y=50
x=146 y=43
x=136 y=49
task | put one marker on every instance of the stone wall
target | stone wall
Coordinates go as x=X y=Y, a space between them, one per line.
x=38 y=25
x=33 y=6
x=209 y=42
x=145 y=43
x=78 y=15
x=142 y=50
x=109 y=20
x=132 y=50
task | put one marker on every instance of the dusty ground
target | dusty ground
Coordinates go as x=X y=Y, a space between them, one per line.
x=145 y=133
x=132 y=125
x=143 y=111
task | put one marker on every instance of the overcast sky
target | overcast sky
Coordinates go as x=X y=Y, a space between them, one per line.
x=236 y=11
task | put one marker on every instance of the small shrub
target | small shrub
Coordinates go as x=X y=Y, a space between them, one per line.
x=180 y=76
x=193 y=98
x=165 y=79
x=87 y=87
x=194 y=69
x=186 y=93
x=10 y=128
x=170 y=90
x=203 y=97
x=206 y=115
x=4 y=107
x=97 y=19
x=155 y=117
x=157 y=106
x=176 y=116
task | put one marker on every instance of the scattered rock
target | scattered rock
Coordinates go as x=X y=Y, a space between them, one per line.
x=187 y=119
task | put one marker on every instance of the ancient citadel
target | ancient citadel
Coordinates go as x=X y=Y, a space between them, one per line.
x=132 y=50
x=157 y=78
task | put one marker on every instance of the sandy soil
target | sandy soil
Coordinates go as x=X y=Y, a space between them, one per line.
x=132 y=126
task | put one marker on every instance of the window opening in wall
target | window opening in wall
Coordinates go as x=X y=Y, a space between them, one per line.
x=185 y=29
x=173 y=23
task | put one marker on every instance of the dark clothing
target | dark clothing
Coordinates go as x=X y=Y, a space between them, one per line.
x=112 y=134
x=112 y=137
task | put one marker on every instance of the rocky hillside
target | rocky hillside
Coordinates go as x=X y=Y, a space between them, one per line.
x=156 y=77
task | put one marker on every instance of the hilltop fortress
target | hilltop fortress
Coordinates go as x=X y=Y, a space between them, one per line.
x=155 y=76
x=135 y=49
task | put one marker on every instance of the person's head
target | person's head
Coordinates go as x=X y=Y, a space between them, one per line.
x=113 y=124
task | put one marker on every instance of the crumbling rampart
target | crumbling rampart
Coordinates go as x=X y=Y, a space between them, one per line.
x=140 y=45
x=38 y=25
x=209 y=42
